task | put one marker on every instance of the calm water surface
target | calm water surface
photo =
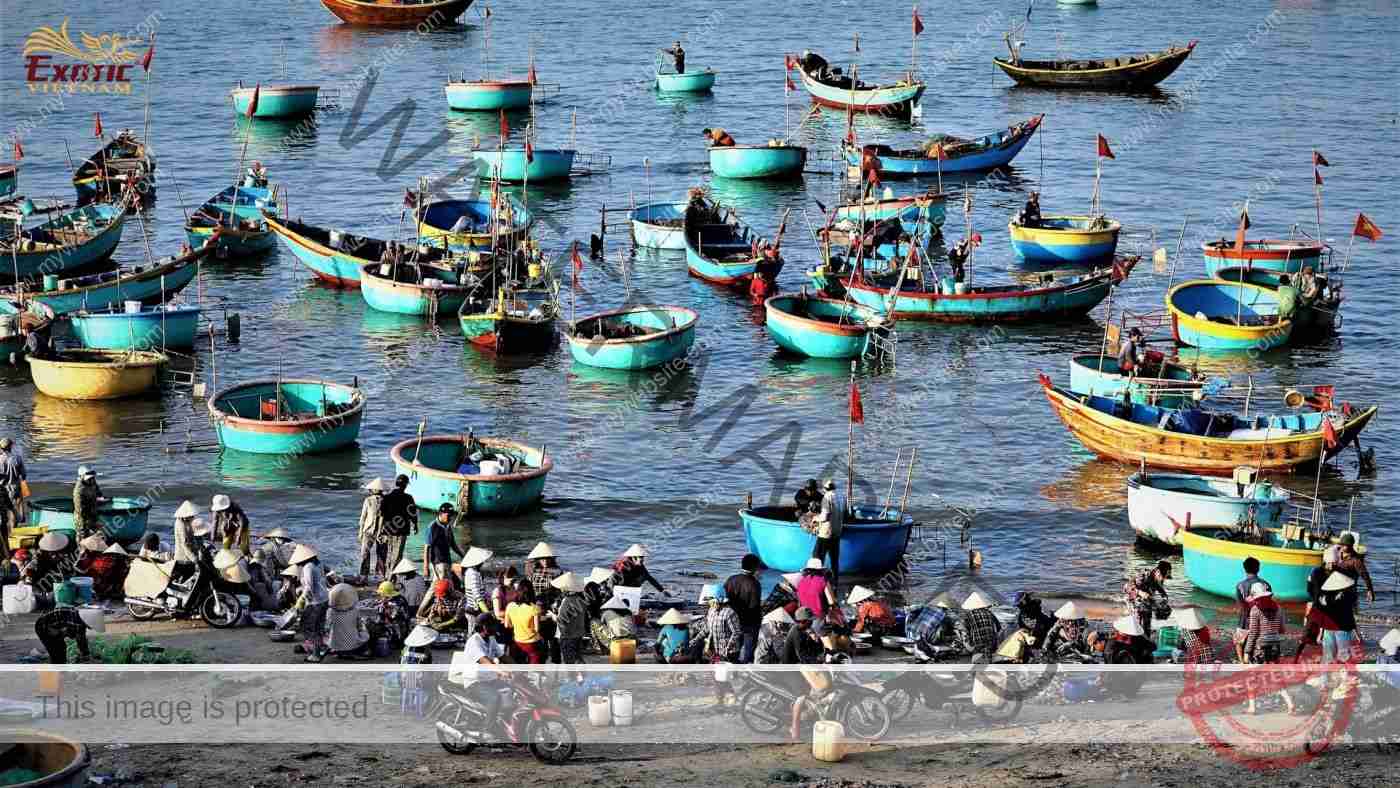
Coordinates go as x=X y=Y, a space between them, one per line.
x=655 y=460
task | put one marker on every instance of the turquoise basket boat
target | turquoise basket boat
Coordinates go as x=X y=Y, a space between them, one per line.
x=276 y=101
x=639 y=337
x=1287 y=256
x=81 y=238
x=1226 y=316
x=1065 y=240
x=122 y=519
x=1213 y=562
x=914 y=211
x=758 y=161
x=154 y=284
x=689 y=82
x=437 y=219
x=148 y=329
x=287 y=416
x=659 y=225
x=513 y=166
x=820 y=327
x=17 y=320
x=872 y=542
x=431 y=464
x=1164 y=383
x=489 y=94
x=233 y=219
x=1163 y=506
x=414 y=289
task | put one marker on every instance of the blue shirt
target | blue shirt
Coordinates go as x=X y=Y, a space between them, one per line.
x=673 y=640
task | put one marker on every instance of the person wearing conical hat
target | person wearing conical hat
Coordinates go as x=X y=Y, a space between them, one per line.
x=313 y=600
x=393 y=617
x=570 y=617
x=107 y=568
x=473 y=584
x=615 y=622
x=87 y=499
x=348 y=638
x=187 y=544
x=1194 y=643
x=409 y=582
x=52 y=562
x=772 y=633
x=541 y=567
x=280 y=544
x=632 y=566
x=56 y=627
x=288 y=587
x=873 y=614
x=1068 y=637
x=371 y=534
x=1129 y=644
x=1337 y=615
x=673 y=642
x=978 y=628
x=231 y=527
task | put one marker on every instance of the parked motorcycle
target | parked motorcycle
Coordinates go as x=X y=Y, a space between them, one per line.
x=767 y=706
x=527 y=719
x=150 y=591
x=943 y=690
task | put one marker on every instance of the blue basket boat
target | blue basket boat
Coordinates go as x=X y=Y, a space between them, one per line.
x=146 y=329
x=122 y=519
x=820 y=327
x=758 y=161
x=638 y=337
x=81 y=238
x=689 y=82
x=154 y=284
x=514 y=166
x=987 y=152
x=659 y=225
x=1065 y=240
x=469 y=224
x=914 y=211
x=276 y=101
x=489 y=95
x=1213 y=562
x=1164 y=382
x=233 y=220
x=432 y=464
x=872 y=542
x=720 y=249
x=1228 y=316
x=1163 y=506
x=1286 y=256
x=287 y=416
x=414 y=289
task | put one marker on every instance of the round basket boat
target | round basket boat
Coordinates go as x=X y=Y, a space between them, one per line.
x=97 y=374
x=433 y=465
x=304 y=416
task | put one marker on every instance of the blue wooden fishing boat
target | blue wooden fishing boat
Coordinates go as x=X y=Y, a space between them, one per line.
x=276 y=101
x=987 y=152
x=422 y=289
x=828 y=87
x=336 y=257
x=78 y=239
x=473 y=224
x=1163 y=506
x=1286 y=256
x=1065 y=240
x=872 y=542
x=441 y=470
x=722 y=250
x=1213 y=561
x=151 y=284
x=820 y=327
x=1310 y=319
x=689 y=82
x=123 y=165
x=513 y=165
x=9 y=179
x=1051 y=299
x=123 y=519
x=639 y=337
x=758 y=161
x=236 y=213
x=659 y=225
x=153 y=328
x=1159 y=381
x=287 y=416
x=1216 y=315
x=492 y=95
x=914 y=211
x=18 y=319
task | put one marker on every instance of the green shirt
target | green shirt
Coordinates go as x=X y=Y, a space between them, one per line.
x=1287 y=301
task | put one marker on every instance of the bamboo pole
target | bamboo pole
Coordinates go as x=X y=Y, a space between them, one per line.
x=908 y=480
x=1181 y=237
x=894 y=476
x=850 y=439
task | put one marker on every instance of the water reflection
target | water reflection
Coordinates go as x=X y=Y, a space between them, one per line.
x=62 y=426
x=270 y=136
x=333 y=471
x=1096 y=484
x=755 y=194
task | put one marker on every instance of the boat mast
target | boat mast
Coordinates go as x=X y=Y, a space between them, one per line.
x=850 y=436
x=146 y=130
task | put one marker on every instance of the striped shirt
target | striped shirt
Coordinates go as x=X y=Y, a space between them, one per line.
x=471 y=589
x=725 y=634
x=1195 y=650
x=1265 y=630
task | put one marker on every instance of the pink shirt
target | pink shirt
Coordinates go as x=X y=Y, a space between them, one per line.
x=811 y=593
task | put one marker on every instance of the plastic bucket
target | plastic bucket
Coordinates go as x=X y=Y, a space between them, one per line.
x=599 y=711
x=84 y=588
x=621 y=708
x=50 y=282
x=132 y=307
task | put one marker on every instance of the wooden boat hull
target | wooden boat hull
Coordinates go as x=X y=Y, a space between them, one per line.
x=327 y=416
x=721 y=253
x=998 y=150
x=784 y=316
x=97 y=374
x=511 y=165
x=758 y=161
x=1214 y=298
x=1282 y=256
x=1162 y=505
x=405 y=298
x=151 y=329
x=372 y=13
x=436 y=219
x=870 y=544
x=277 y=101
x=102 y=292
x=675 y=334
x=48 y=258
x=1124 y=76
x=99 y=180
x=1090 y=373
x=896 y=100
x=331 y=266
x=1213 y=565
x=234 y=238
x=488 y=96
x=1057 y=302
x=1125 y=441
x=507 y=334
x=19 y=320
x=431 y=462
x=689 y=82
x=122 y=519
x=1064 y=241
x=912 y=211
x=648 y=233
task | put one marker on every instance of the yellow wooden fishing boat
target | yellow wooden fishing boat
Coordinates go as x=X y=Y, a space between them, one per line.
x=97 y=374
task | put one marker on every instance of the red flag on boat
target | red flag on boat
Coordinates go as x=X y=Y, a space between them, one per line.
x=1366 y=228
x=530 y=75
x=1244 y=225
x=578 y=261
x=97 y=125
x=1104 y=150
x=505 y=127
x=789 y=61
x=918 y=23
x=789 y=87
x=857 y=410
x=19 y=150
x=1329 y=433
x=1317 y=177
x=939 y=153
x=150 y=53
x=253 y=102
x=1320 y=161
x=410 y=200
x=529 y=153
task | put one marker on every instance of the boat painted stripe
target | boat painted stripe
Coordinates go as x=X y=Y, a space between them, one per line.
x=1221 y=548
x=1293 y=252
x=818 y=326
x=1144 y=64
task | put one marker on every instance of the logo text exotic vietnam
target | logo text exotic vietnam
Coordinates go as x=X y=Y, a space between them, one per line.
x=53 y=63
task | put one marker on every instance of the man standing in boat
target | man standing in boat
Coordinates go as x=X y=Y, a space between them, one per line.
x=830 y=523
x=1130 y=353
x=1030 y=215
x=678 y=55
x=719 y=138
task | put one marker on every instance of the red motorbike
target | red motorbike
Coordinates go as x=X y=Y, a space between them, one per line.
x=528 y=718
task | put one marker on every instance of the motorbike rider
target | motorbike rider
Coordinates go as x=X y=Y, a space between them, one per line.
x=803 y=647
x=485 y=686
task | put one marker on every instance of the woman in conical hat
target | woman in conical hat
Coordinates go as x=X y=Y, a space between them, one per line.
x=1068 y=636
x=771 y=634
x=673 y=643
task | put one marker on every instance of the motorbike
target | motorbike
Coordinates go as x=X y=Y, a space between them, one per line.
x=942 y=690
x=766 y=707
x=150 y=591
x=527 y=719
